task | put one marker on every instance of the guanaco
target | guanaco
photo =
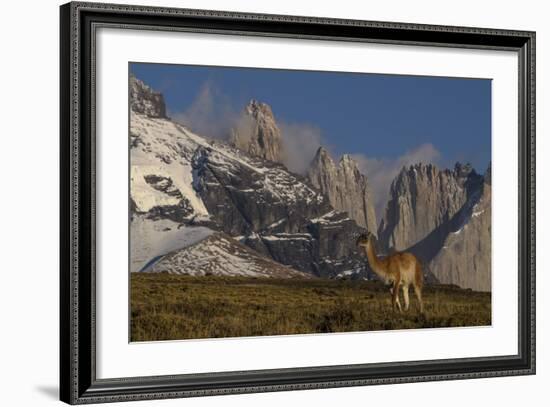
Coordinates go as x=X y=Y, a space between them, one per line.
x=398 y=269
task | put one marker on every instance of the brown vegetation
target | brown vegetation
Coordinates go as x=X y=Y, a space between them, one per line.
x=168 y=307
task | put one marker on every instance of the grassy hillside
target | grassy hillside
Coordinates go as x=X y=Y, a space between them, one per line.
x=165 y=307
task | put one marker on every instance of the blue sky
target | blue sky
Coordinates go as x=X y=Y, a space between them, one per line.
x=383 y=120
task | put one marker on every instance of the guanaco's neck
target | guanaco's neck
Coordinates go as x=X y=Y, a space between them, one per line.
x=374 y=263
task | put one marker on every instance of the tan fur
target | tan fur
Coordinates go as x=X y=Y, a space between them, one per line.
x=398 y=269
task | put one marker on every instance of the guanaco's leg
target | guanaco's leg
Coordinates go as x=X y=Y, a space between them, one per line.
x=395 y=296
x=418 y=292
x=391 y=294
x=406 y=296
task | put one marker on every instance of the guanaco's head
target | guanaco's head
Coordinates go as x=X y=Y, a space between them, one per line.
x=363 y=240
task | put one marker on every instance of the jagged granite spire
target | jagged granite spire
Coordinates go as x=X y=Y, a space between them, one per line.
x=422 y=197
x=444 y=218
x=346 y=188
x=258 y=133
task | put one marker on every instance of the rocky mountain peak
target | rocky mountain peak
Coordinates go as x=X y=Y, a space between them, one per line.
x=322 y=158
x=351 y=171
x=145 y=100
x=258 y=133
x=347 y=162
x=422 y=168
x=256 y=109
x=344 y=185
x=410 y=174
x=443 y=217
x=463 y=170
x=422 y=197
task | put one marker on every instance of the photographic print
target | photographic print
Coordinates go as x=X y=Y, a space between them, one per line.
x=275 y=202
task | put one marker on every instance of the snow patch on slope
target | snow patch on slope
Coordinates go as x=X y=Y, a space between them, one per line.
x=150 y=239
x=163 y=148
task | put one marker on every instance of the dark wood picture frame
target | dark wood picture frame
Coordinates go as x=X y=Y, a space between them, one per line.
x=78 y=382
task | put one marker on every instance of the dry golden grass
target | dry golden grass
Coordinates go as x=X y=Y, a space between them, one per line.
x=167 y=307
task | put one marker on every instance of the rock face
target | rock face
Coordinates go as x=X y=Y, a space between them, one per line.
x=465 y=258
x=344 y=185
x=444 y=218
x=258 y=133
x=276 y=212
x=422 y=198
x=145 y=100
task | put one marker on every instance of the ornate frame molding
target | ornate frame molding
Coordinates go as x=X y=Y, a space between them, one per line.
x=78 y=380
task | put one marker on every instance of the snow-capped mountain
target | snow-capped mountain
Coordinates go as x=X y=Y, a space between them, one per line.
x=185 y=185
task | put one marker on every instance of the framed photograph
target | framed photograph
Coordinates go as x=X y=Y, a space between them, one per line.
x=254 y=203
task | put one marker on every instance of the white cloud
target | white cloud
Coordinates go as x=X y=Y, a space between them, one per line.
x=211 y=114
x=382 y=171
x=300 y=143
